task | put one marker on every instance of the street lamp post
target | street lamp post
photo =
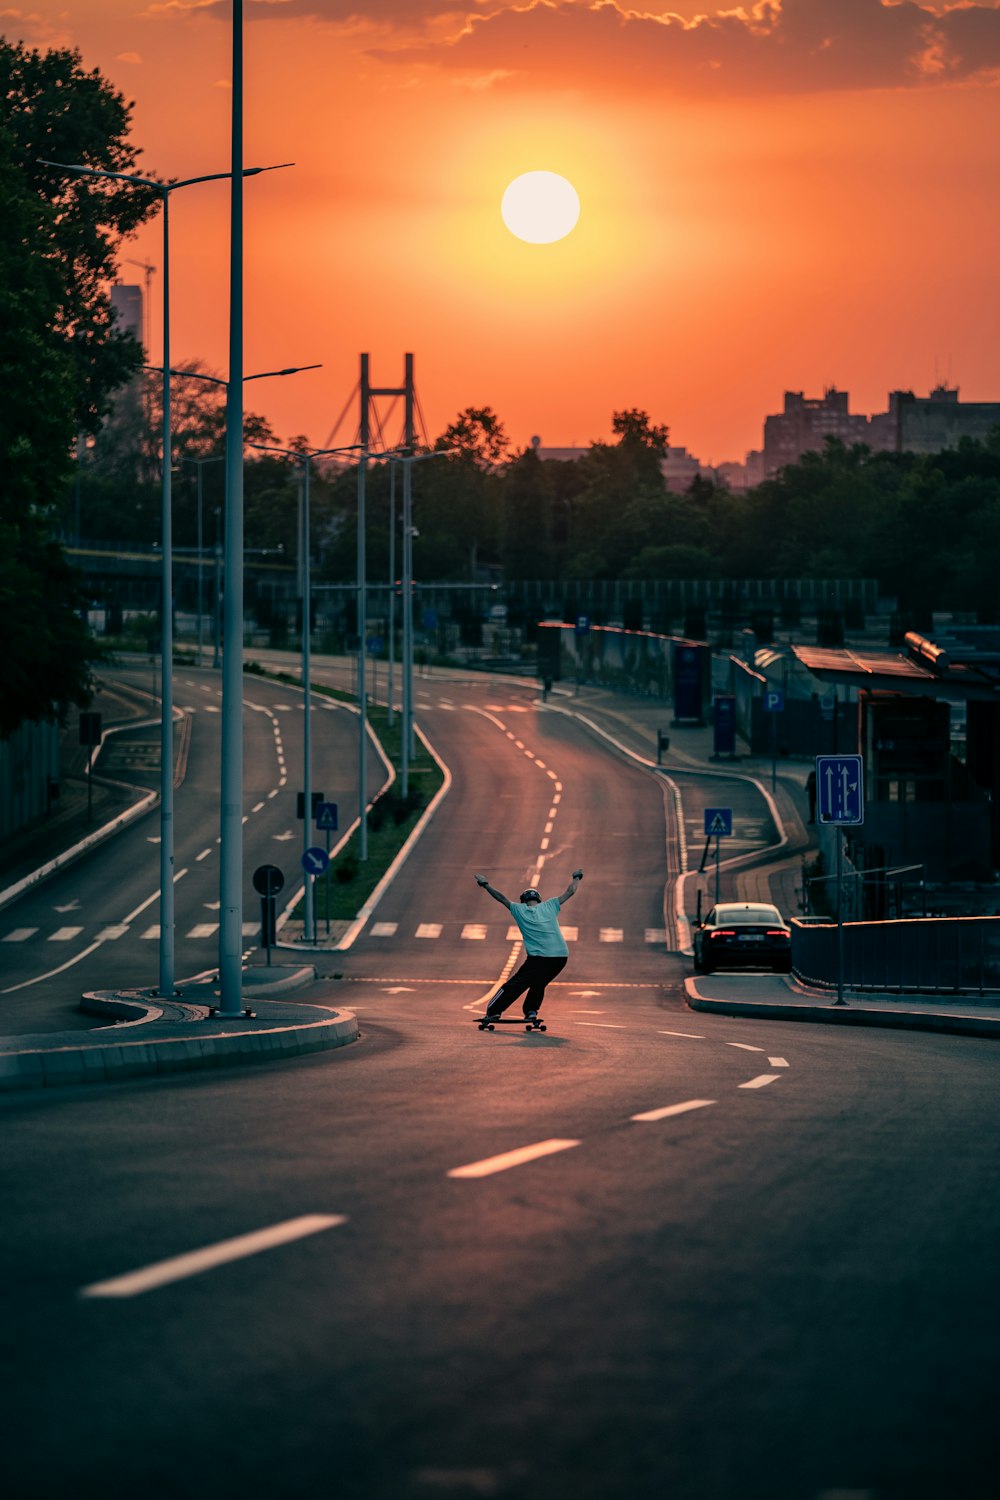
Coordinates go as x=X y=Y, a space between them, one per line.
x=409 y=459
x=200 y=464
x=164 y=190
x=305 y=456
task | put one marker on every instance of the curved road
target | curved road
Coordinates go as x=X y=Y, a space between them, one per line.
x=648 y=1253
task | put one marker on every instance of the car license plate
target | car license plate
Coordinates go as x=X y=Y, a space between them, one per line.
x=753 y=937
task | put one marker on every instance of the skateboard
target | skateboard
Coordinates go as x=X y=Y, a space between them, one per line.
x=487 y=1023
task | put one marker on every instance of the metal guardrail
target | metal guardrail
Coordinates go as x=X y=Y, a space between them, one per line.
x=918 y=955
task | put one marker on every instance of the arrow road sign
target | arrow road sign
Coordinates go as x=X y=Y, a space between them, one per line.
x=315 y=860
x=326 y=816
x=718 y=822
x=840 y=791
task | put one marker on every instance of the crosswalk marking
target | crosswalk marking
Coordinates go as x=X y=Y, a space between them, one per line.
x=151 y=933
x=611 y=934
x=428 y=930
x=113 y=931
x=474 y=931
x=64 y=934
x=20 y=934
x=656 y=934
x=384 y=929
x=203 y=929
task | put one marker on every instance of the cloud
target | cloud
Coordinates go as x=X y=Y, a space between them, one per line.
x=129 y=57
x=772 y=46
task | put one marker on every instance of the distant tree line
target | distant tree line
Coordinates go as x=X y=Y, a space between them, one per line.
x=80 y=431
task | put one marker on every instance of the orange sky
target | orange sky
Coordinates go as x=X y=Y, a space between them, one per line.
x=784 y=195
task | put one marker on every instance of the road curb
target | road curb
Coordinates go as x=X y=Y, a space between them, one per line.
x=116 y=1053
x=851 y=1014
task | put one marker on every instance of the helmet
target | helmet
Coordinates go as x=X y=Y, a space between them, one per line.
x=530 y=894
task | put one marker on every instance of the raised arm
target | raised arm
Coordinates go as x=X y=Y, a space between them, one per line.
x=571 y=888
x=497 y=895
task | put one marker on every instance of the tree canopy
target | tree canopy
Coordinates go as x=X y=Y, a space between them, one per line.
x=60 y=355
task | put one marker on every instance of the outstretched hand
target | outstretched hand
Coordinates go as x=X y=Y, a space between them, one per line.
x=577 y=874
x=481 y=880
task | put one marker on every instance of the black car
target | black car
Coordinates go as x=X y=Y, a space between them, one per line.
x=740 y=934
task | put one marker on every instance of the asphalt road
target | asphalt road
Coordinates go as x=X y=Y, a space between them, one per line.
x=648 y=1253
x=95 y=925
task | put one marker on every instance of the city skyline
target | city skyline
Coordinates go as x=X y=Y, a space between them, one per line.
x=777 y=197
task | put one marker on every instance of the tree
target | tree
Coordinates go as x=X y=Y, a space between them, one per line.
x=478 y=434
x=61 y=358
x=634 y=426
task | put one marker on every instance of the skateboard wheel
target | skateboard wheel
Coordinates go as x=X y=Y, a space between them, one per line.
x=543 y=1028
x=491 y=1027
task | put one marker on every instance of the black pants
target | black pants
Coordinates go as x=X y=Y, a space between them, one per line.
x=533 y=975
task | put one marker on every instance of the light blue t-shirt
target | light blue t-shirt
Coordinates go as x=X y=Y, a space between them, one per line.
x=539 y=924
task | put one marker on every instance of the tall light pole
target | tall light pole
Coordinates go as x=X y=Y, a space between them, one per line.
x=200 y=464
x=305 y=457
x=409 y=459
x=163 y=191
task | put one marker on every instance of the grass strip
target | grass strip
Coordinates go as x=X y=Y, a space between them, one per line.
x=342 y=893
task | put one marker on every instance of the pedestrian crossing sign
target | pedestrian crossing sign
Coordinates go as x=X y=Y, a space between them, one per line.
x=326 y=815
x=718 y=822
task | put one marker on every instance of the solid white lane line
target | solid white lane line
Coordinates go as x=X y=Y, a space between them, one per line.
x=180 y=1267
x=674 y=1109
x=744 y=1047
x=761 y=1081
x=695 y=1036
x=777 y=1062
x=509 y=1159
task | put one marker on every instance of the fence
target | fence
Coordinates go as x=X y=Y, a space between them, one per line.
x=921 y=955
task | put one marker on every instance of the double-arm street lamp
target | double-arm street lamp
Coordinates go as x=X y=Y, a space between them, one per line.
x=305 y=456
x=163 y=191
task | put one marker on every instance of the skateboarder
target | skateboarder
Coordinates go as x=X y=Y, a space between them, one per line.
x=544 y=945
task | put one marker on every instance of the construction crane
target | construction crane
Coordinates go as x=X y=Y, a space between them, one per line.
x=149 y=268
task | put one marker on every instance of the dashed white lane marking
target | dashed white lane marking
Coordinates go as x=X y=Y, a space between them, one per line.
x=744 y=1047
x=384 y=929
x=674 y=1109
x=604 y=1025
x=203 y=855
x=212 y=708
x=695 y=1036
x=180 y=1267
x=20 y=934
x=257 y=808
x=548 y=826
x=777 y=1062
x=273 y=792
x=510 y=1159
x=544 y=844
x=761 y=1081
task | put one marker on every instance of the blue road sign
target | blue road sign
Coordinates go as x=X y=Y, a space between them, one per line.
x=374 y=645
x=582 y=624
x=718 y=822
x=326 y=816
x=315 y=860
x=774 y=701
x=840 y=789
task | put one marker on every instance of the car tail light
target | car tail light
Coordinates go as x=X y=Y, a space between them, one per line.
x=724 y=932
x=777 y=932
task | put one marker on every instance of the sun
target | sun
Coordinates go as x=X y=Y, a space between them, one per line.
x=540 y=207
